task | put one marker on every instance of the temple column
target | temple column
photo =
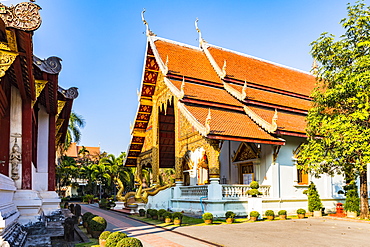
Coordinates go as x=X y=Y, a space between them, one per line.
x=213 y=152
x=155 y=150
x=178 y=158
x=26 y=144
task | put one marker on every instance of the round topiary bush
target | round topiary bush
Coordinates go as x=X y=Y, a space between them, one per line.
x=85 y=216
x=104 y=235
x=269 y=213
x=98 y=224
x=114 y=238
x=229 y=214
x=90 y=218
x=254 y=214
x=177 y=215
x=167 y=215
x=207 y=216
x=254 y=185
x=154 y=212
x=161 y=212
x=131 y=242
x=282 y=212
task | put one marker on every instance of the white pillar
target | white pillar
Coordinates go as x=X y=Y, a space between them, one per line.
x=16 y=128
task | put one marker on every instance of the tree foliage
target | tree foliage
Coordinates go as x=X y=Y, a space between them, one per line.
x=338 y=123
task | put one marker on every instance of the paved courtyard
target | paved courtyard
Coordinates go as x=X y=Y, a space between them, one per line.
x=306 y=232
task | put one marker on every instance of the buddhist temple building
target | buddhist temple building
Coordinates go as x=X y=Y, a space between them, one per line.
x=223 y=119
x=34 y=114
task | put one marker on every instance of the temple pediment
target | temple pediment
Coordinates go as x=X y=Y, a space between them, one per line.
x=246 y=151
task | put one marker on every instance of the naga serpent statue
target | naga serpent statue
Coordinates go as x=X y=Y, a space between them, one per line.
x=141 y=195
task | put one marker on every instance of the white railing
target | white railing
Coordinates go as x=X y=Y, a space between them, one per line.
x=194 y=191
x=240 y=191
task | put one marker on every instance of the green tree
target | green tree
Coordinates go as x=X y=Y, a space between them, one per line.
x=66 y=171
x=314 y=201
x=73 y=132
x=338 y=123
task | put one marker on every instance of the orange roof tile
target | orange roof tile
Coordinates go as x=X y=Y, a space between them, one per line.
x=72 y=150
x=206 y=93
x=243 y=67
x=230 y=123
x=186 y=61
x=274 y=98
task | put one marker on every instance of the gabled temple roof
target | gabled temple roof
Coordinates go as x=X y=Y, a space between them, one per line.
x=246 y=98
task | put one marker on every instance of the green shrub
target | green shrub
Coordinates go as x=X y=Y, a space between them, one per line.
x=142 y=212
x=282 y=212
x=114 y=238
x=129 y=242
x=104 y=235
x=177 y=215
x=269 y=213
x=301 y=211
x=153 y=212
x=352 y=203
x=254 y=192
x=254 y=214
x=207 y=216
x=314 y=201
x=148 y=212
x=87 y=198
x=90 y=218
x=229 y=214
x=161 y=212
x=85 y=216
x=98 y=224
x=167 y=215
x=254 y=185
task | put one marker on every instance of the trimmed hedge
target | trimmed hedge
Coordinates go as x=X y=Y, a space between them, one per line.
x=114 y=238
x=129 y=242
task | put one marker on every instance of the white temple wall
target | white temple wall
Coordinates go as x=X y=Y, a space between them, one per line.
x=16 y=128
x=40 y=175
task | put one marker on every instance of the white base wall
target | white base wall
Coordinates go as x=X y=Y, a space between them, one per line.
x=29 y=205
x=50 y=202
x=8 y=211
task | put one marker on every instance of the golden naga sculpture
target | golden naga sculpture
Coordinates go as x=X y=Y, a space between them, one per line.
x=141 y=195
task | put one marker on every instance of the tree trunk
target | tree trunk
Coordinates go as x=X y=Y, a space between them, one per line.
x=364 y=203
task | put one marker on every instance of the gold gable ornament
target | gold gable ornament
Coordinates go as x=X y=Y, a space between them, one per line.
x=246 y=151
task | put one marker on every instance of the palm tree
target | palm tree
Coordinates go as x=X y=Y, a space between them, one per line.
x=74 y=133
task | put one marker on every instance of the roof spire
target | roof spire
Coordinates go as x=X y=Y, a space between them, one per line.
x=224 y=69
x=274 y=120
x=208 y=121
x=244 y=91
x=148 y=31
x=182 y=87
x=315 y=66
x=201 y=40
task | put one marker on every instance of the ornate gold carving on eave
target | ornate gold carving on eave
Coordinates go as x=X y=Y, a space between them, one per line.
x=24 y=16
x=270 y=128
x=139 y=133
x=61 y=105
x=164 y=97
x=246 y=152
x=163 y=66
x=203 y=130
x=39 y=86
x=12 y=40
x=178 y=93
x=58 y=124
x=6 y=59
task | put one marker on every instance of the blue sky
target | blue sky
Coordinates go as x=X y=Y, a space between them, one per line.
x=102 y=45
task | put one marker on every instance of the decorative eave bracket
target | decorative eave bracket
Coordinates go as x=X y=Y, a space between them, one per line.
x=24 y=16
x=269 y=127
x=204 y=130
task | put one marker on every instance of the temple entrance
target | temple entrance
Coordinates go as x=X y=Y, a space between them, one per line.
x=166 y=136
x=195 y=167
x=246 y=173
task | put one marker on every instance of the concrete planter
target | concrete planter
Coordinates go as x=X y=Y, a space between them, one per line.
x=300 y=216
x=282 y=217
x=351 y=214
x=317 y=213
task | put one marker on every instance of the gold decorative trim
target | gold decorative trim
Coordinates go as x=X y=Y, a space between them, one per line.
x=234 y=92
x=12 y=40
x=39 y=86
x=61 y=104
x=24 y=16
x=178 y=93
x=163 y=66
x=270 y=128
x=193 y=121
x=6 y=59
x=58 y=124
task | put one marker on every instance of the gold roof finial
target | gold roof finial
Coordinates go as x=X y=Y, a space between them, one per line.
x=315 y=66
x=274 y=120
x=201 y=40
x=148 y=31
x=244 y=91
x=183 y=86
x=208 y=121
x=224 y=69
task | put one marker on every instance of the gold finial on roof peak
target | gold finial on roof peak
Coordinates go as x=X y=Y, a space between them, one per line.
x=148 y=31
x=201 y=40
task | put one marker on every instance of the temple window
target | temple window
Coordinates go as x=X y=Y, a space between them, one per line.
x=302 y=177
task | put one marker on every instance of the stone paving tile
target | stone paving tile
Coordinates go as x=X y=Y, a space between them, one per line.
x=150 y=235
